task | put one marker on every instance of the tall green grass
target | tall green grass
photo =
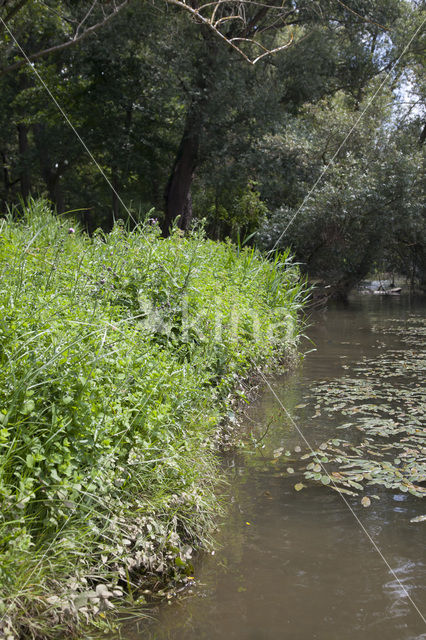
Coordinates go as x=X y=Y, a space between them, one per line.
x=118 y=355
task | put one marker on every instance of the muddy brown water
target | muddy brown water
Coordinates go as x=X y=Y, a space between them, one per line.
x=298 y=566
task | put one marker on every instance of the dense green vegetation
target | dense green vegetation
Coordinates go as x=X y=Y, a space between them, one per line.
x=179 y=121
x=118 y=354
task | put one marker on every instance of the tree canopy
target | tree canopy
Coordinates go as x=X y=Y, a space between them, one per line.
x=168 y=100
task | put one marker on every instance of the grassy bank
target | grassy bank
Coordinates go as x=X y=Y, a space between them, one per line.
x=118 y=357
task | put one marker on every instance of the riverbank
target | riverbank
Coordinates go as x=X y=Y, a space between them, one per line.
x=120 y=355
x=281 y=548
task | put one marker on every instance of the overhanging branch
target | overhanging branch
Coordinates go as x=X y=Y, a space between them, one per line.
x=219 y=14
x=77 y=37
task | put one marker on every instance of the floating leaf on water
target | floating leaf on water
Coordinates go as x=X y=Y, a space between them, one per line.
x=278 y=452
x=418 y=519
x=300 y=406
x=341 y=490
x=366 y=501
x=297 y=449
x=325 y=479
x=299 y=486
x=290 y=470
x=392 y=452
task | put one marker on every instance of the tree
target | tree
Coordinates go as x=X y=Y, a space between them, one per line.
x=75 y=21
x=329 y=47
x=366 y=209
x=175 y=119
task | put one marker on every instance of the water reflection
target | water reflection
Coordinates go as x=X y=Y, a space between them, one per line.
x=297 y=566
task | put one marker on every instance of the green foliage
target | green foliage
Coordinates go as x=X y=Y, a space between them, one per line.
x=243 y=214
x=367 y=204
x=118 y=354
x=131 y=86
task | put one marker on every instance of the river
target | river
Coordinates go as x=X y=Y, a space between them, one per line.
x=301 y=565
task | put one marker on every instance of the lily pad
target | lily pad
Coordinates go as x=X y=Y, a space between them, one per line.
x=385 y=399
x=418 y=519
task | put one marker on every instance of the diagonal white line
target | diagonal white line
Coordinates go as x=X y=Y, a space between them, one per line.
x=67 y=120
x=360 y=524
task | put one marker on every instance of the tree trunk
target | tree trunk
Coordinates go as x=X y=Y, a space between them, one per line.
x=24 y=173
x=186 y=217
x=50 y=170
x=178 y=191
x=178 y=202
x=6 y=179
x=422 y=137
x=52 y=178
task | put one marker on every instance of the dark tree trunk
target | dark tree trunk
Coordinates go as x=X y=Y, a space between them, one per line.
x=52 y=178
x=422 y=137
x=120 y=165
x=24 y=173
x=178 y=202
x=51 y=171
x=6 y=179
x=178 y=190
x=186 y=217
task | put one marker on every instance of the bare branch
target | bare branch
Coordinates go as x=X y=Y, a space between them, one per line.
x=241 y=24
x=249 y=40
x=225 y=19
x=209 y=14
x=228 y=20
x=248 y=3
x=68 y=43
x=85 y=18
x=13 y=11
x=270 y=52
x=363 y=18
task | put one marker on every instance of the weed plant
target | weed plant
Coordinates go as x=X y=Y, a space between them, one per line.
x=119 y=353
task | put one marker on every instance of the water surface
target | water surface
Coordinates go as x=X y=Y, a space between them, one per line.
x=297 y=565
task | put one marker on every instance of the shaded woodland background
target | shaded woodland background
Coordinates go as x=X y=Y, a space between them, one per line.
x=186 y=130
